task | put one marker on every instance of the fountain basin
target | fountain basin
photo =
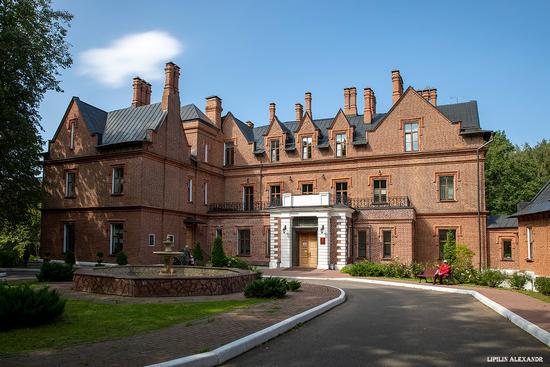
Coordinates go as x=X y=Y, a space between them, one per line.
x=145 y=281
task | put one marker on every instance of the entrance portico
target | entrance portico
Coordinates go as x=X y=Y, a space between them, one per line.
x=302 y=221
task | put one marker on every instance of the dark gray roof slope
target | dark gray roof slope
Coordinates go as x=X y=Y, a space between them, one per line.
x=539 y=204
x=93 y=116
x=192 y=112
x=131 y=124
x=465 y=112
x=501 y=221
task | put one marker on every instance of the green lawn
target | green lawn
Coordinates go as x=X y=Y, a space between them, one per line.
x=85 y=321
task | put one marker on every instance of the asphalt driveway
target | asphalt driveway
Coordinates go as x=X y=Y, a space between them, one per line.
x=391 y=326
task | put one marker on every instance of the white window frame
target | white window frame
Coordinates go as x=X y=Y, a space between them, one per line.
x=111 y=227
x=412 y=133
x=149 y=236
x=341 y=146
x=113 y=180
x=529 y=243
x=206 y=193
x=67 y=173
x=307 y=147
x=190 y=190
x=172 y=237
x=206 y=153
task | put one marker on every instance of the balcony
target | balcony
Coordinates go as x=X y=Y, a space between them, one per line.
x=321 y=200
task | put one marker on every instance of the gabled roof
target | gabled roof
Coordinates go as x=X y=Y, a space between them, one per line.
x=539 y=204
x=501 y=221
x=192 y=112
x=94 y=117
x=465 y=112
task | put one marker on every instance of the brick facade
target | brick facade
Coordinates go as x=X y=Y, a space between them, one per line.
x=188 y=145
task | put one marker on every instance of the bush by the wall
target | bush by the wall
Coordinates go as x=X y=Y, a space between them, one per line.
x=218 y=256
x=99 y=255
x=491 y=278
x=121 y=258
x=70 y=259
x=22 y=306
x=293 y=285
x=235 y=262
x=542 y=284
x=197 y=253
x=8 y=257
x=55 y=272
x=266 y=288
x=518 y=280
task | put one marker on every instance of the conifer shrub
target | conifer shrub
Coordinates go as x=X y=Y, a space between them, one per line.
x=197 y=253
x=55 y=272
x=121 y=258
x=218 y=255
x=266 y=288
x=293 y=285
x=542 y=284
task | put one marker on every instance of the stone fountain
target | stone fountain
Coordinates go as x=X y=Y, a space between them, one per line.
x=168 y=253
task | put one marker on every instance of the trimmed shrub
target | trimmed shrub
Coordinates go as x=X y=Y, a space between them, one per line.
x=542 y=284
x=22 y=306
x=55 y=272
x=518 y=280
x=218 y=256
x=364 y=269
x=266 y=288
x=235 y=262
x=8 y=257
x=121 y=258
x=197 y=253
x=99 y=255
x=293 y=285
x=70 y=259
x=491 y=278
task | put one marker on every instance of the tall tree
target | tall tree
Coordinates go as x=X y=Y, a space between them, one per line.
x=514 y=174
x=32 y=40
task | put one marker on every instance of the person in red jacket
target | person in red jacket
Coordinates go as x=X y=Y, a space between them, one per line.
x=443 y=271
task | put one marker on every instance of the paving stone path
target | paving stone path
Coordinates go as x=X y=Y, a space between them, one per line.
x=178 y=340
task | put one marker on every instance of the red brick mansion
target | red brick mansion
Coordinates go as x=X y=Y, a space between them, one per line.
x=312 y=192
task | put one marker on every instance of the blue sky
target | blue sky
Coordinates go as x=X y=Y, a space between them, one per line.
x=251 y=53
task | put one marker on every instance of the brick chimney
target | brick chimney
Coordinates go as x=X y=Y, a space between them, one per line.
x=299 y=111
x=142 y=92
x=397 y=82
x=426 y=94
x=308 y=105
x=346 y=101
x=271 y=112
x=367 y=111
x=170 y=95
x=433 y=96
x=353 y=101
x=214 y=110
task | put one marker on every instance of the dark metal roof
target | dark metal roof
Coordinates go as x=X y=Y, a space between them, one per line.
x=539 y=204
x=192 y=112
x=501 y=221
x=131 y=124
x=465 y=112
x=94 y=117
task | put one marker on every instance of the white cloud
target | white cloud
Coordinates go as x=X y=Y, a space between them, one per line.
x=141 y=54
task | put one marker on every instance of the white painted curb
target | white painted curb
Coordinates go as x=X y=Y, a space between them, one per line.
x=536 y=331
x=239 y=346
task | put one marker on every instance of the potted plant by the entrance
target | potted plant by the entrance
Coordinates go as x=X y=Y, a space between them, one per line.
x=99 y=255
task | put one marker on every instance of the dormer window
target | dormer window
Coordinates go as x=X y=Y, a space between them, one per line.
x=341 y=145
x=274 y=150
x=411 y=136
x=306 y=147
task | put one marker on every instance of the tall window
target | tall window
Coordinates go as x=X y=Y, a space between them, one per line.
x=190 y=190
x=151 y=239
x=69 y=184
x=446 y=188
x=443 y=235
x=268 y=242
x=307 y=189
x=244 y=242
x=507 y=249
x=219 y=232
x=248 y=198
x=116 y=238
x=362 y=238
x=274 y=149
x=68 y=237
x=529 y=243
x=229 y=153
x=275 y=195
x=206 y=152
x=386 y=239
x=306 y=147
x=341 y=192
x=206 y=193
x=411 y=136
x=341 y=145
x=71 y=138
x=118 y=180
x=380 y=191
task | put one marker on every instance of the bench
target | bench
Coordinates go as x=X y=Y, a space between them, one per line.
x=430 y=273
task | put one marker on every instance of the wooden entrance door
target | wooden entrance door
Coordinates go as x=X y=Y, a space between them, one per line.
x=307 y=242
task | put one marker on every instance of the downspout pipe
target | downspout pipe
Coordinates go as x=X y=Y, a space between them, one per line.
x=479 y=200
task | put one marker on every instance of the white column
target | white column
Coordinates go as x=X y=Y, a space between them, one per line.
x=286 y=242
x=274 y=240
x=341 y=241
x=323 y=249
